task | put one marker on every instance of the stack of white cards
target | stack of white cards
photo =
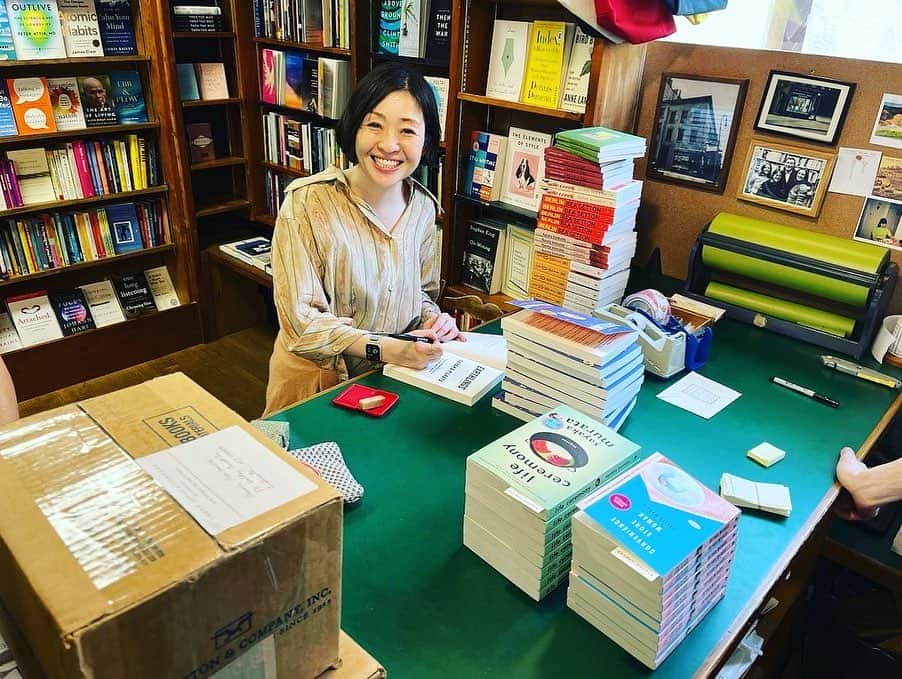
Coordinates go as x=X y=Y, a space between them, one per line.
x=768 y=497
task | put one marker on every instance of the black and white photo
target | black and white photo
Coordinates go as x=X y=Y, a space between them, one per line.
x=786 y=177
x=695 y=130
x=804 y=106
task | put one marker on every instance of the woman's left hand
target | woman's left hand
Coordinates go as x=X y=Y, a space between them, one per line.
x=444 y=327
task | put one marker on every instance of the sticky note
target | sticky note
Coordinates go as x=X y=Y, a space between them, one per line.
x=766 y=454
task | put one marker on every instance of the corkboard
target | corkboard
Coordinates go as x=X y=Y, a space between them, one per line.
x=671 y=215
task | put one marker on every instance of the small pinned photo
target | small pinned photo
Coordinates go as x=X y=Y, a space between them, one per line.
x=879 y=222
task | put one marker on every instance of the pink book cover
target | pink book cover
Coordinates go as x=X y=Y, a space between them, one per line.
x=267 y=77
x=81 y=166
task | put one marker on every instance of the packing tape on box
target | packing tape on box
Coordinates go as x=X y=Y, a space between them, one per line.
x=888 y=339
x=783 y=309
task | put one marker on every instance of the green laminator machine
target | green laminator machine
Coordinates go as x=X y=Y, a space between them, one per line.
x=826 y=290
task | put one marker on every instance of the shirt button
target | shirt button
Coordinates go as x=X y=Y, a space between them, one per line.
x=389 y=288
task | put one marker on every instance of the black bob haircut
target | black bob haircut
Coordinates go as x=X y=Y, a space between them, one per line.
x=373 y=88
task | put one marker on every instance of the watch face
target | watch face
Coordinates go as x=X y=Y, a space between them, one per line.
x=373 y=352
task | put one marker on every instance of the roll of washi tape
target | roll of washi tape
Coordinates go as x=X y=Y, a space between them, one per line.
x=650 y=302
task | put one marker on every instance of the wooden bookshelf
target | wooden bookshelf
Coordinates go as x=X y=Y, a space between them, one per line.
x=29 y=139
x=41 y=368
x=226 y=161
x=517 y=106
x=198 y=103
x=93 y=264
x=32 y=64
x=219 y=206
x=45 y=367
x=203 y=35
x=302 y=47
x=460 y=290
x=57 y=205
x=276 y=167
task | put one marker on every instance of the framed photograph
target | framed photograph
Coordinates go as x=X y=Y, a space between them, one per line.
x=786 y=177
x=803 y=106
x=695 y=130
x=888 y=126
x=880 y=222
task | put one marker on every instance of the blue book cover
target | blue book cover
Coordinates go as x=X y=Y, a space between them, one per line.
x=128 y=97
x=659 y=513
x=7 y=120
x=7 y=48
x=124 y=227
x=117 y=32
x=188 y=90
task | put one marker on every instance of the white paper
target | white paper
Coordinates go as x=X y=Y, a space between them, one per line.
x=855 y=171
x=226 y=478
x=888 y=126
x=699 y=395
x=481 y=347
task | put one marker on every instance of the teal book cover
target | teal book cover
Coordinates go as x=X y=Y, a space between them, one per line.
x=7 y=48
x=187 y=82
x=659 y=513
x=128 y=97
x=598 y=137
x=557 y=458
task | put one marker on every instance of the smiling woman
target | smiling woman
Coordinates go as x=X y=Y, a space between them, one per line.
x=353 y=252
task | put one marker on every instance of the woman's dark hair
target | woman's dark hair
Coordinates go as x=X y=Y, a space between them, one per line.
x=373 y=88
x=882 y=220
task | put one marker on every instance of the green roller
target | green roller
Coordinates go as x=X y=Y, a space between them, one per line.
x=820 y=246
x=779 y=308
x=786 y=276
x=851 y=254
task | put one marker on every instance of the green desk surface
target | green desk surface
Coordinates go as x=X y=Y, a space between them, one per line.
x=425 y=606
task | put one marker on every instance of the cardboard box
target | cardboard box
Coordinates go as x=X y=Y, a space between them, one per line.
x=105 y=574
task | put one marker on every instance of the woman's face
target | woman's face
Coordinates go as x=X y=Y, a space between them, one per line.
x=765 y=169
x=801 y=174
x=777 y=175
x=389 y=142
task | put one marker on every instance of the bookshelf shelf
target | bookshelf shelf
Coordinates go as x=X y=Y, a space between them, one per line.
x=97 y=352
x=268 y=220
x=17 y=280
x=86 y=132
x=199 y=103
x=302 y=46
x=226 y=161
x=411 y=61
x=73 y=61
x=503 y=210
x=517 y=106
x=199 y=35
x=94 y=200
x=308 y=116
x=275 y=167
x=218 y=206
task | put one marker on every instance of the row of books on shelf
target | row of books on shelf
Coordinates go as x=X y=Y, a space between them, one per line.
x=431 y=177
x=197 y=18
x=40 y=316
x=56 y=29
x=307 y=146
x=274 y=184
x=82 y=168
x=420 y=29
x=316 y=22
x=38 y=105
x=305 y=82
x=541 y=63
x=202 y=81
x=59 y=239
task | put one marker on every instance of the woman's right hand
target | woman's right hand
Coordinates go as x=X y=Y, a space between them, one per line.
x=416 y=355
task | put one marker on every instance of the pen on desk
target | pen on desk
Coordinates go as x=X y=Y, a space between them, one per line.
x=810 y=393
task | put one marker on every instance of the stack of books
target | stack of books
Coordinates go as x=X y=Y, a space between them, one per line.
x=651 y=556
x=522 y=489
x=585 y=236
x=558 y=355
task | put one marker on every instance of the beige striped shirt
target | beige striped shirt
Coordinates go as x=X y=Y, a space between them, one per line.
x=332 y=256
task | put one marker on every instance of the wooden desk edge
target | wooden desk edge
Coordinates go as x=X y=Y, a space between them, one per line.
x=744 y=619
